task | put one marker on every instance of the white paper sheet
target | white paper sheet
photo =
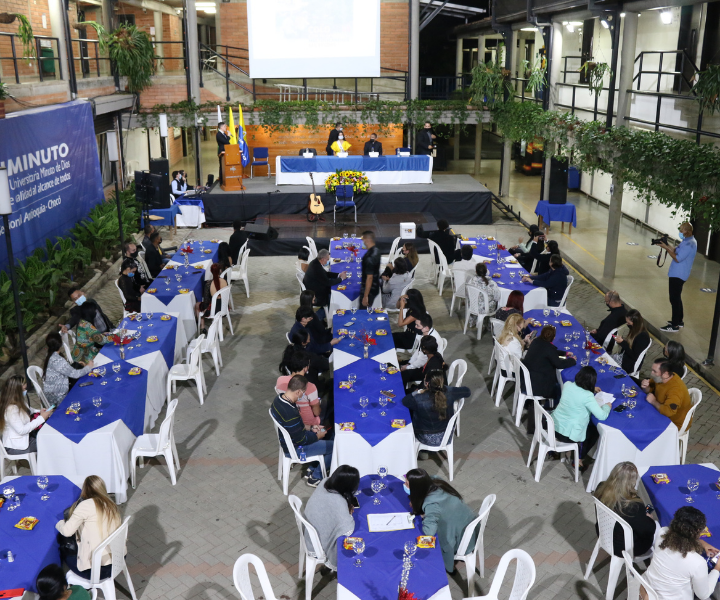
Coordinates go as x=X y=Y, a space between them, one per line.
x=604 y=398
x=380 y=522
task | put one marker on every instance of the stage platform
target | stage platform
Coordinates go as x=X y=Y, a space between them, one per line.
x=457 y=198
x=293 y=229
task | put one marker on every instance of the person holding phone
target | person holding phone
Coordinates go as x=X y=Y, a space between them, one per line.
x=18 y=426
x=57 y=371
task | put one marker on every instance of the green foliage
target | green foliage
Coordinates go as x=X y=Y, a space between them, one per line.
x=707 y=89
x=537 y=76
x=3 y=91
x=595 y=75
x=26 y=35
x=491 y=84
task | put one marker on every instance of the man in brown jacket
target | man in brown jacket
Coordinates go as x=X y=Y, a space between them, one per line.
x=667 y=392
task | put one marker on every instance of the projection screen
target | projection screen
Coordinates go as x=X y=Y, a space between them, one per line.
x=291 y=39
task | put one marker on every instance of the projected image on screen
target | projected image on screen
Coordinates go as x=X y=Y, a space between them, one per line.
x=314 y=38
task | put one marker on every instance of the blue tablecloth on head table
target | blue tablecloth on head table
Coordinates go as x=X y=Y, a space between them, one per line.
x=360 y=323
x=121 y=400
x=668 y=497
x=168 y=216
x=382 y=561
x=354 y=268
x=505 y=270
x=374 y=428
x=36 y=549
x=647 y=424
x=330 y=164
x=165 y=331
x=192 y=280
x=192 y=201
x=556 y=212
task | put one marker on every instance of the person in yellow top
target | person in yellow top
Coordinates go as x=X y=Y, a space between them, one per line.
x=340 y=145
x=667 y=392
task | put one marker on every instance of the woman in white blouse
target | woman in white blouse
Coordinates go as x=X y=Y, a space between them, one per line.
x=18 y=429
x=509 y=337
x=678 y=570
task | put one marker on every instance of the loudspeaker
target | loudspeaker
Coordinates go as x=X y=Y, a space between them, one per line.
x=210 y=180
x=147 y=189
x=161 y=167
x=558 y=181
x=261 y=232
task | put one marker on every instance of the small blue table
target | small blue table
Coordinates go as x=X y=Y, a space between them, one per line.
x=565 y=213
x=167 y=216
x=36 y=549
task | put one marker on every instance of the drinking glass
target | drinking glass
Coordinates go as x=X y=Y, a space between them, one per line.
x=383 y=472
x=116 y=367
x=692 y=485
x=97 y=402
x=363 y=403
x=352 y=378
x=624 y=390
x=383 y=403
x=376 y=487
x=149 y=316
x=359 y=548
x=410 y=549
x=345 y=235
x=383 y=370
x=42 y=483
x=9 y=493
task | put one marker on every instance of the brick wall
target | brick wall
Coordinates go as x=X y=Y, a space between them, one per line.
x=167 y=90
x=234 y=29
x=34 y=10
x=172 y=32
x=175 y=151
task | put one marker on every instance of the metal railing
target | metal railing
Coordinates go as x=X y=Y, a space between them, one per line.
x=535 y=95
x=681 y=56
x=573 y=107
x=212 y=61
x=443 y=87
x=45 y=67
x=565 y=69
x=84 y=58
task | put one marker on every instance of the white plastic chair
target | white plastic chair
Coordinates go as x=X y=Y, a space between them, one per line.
x=286 y=462
x=434 y=266
x=241 y=578
x=534 y=266
x=150 y=445
x=310 y=557
x=35 y=375
x=223 y=311
x=68 y=340
x=210 y=345
x=472 y=307
x=312 y=247
x=446 y=444
x=393 y=254
x=545 y=440
x=609 y=337
x=31 y=457
x=503 y=362
x=442 y=346
x=117 y=542
x=122 y=299
x=471 y=558
x=227 y=276
x=392 y=309
x=563 y=301
x=639 y=361
x=238 y=258
x=606 y=520
x=240 y=271
x=460 y=366
x=186 y=372
x=458 y=290
x=685 y=372
x=443 y=272
x=523 y=377
x=635 y=581
x=524 y=576
x=300 y=277
x=684 y=434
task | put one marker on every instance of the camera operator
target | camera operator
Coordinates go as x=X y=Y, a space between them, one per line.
x=682 y=256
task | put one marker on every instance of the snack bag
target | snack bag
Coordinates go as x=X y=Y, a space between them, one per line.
x=426 y=541
x=660 y=478
x=398 y=423
x=349 y=541
x=350 y=426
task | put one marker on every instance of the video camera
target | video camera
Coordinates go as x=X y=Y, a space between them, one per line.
x=663 y=239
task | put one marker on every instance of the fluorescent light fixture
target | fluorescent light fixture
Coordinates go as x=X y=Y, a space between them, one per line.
x=112 y=145
x=604 y=23
x=622 y=15
x=5 y=200
x=528 y=29
x=209 y=11
x=666 y=17
x=571 y=28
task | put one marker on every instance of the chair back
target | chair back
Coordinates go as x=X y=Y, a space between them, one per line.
x=442 y=346
x=685 y=372
x=224 y=296
x=241 y=578
x=522 y=373
x=534 y=266
x=524 y=575
x=166 y=429
x=286 y=436
x=481 y=520
x=443 y=262
x=122 y=296
x=238 y=258
x=194 y=358
x=345 y=191
x=497 y=326
x=435 y=252
x=639 y=361
x=304 y=525
x=35 y=374
x=609 y=337
x=261 y=152
x=461 y=366
x=606 y=520
x=312 y=247
x=394 y=248
x=301 y=278
x=117 y=541
x=68 y=340
x=245 y=256
x=570 y=281
x=547 y=432
x=458 y=283
x=504 y=361
x=447 y=436
x=211 y=339
x=635 y=581
x=695 y=396
x=405 y=289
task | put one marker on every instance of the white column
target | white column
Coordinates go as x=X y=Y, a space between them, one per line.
x=459 y=56
x=414 y=48
x=159 y=48
x=192 y=49
x=57 y=28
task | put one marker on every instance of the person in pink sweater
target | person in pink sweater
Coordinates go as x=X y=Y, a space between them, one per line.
x=297 y=362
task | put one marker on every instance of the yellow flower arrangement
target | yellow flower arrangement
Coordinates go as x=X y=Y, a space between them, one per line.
x=359 y=181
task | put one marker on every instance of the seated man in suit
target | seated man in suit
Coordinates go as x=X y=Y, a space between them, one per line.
x=373 y=145
x=321 y=281
x=554 y=281
x=179 y=184
x=237 y=240
x=154 y=256
x=443 y=237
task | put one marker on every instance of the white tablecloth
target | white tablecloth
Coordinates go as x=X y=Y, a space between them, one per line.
x=536 y=298
x=344 y=594
x=183 y=305
x=375 y=177
x=190 y=216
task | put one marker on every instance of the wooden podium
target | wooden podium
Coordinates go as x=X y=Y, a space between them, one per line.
x=232 y=174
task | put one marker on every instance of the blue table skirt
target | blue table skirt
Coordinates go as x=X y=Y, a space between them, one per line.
x=556 y=212
x=668 y=497
x=123 y=400
x=505 y=281
x=361 y=324
x=193 y=201
x=354 y=268
x=193 y=280
x=166 y=332
x=168 y=216
x=379 y=576
x=647 y=424
x=36 y=549
x=330 y=164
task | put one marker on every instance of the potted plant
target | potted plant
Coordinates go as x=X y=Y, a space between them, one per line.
x=594 y=73
x=707 y=89
x=25 y=31
x=3 y=95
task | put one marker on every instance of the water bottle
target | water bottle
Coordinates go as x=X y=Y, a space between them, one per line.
x=10 y=557
x=301 y=453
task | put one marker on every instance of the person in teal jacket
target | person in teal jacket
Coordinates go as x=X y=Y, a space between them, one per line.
x=572 y=416
x=443 y=512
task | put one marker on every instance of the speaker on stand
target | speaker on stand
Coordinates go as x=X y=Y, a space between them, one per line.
x=161 y=168
x=558 y=181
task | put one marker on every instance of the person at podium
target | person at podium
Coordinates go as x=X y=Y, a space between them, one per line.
x=340 y=145
x=424 y=143
x=332 y=138
x=373 y=145
x=222 y=138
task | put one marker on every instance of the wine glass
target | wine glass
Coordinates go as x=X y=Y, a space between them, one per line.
x=692 y=485
x=376 y=486
x=97 y=402
x=116 y=367
x=359 y=548
x=354 y=310
x=149 y=316
x=512 y=273
x=9 y=493
x=42 y=483
x=410 y=549
x=352 y=378
x=383 y=403
x=383 y=472
x=631 y=404
x=383 y=370
x=76 y=407
x=103 y=371
x=717 y=485
x=624 y=390
x=138 y=318
x=345 y=235
x=363 y=403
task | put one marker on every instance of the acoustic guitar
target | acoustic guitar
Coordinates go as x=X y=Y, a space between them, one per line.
x=315 y=205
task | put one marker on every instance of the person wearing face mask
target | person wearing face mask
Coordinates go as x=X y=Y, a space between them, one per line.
x=143 y=273
x=332 y=138
x=18 y=427
x=129 y=284
x=683 y=256
x=667 y=392
x=615 y=319
x=101 y=322
x=179 y=185
x=154 y=256
x=58 y=372
x=373 y=145
x=424 y=142
x=340 y=145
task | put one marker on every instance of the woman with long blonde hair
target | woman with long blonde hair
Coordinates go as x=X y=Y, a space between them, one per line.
x=92 y=518
x=17 y=427
x=618 y=493
x=510 y=338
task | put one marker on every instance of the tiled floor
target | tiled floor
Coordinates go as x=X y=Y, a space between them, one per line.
x=185 y=539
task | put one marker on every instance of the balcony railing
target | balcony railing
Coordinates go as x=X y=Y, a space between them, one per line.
x=15 y=67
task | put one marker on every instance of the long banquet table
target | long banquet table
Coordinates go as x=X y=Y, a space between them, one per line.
x=347 y=293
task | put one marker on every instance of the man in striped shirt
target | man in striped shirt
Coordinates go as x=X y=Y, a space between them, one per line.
x=286 y=413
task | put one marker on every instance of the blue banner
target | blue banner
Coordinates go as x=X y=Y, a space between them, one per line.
x=54 y=174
